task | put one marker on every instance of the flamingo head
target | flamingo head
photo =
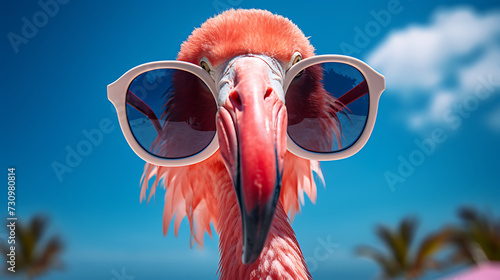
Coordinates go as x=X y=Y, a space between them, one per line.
x=247 y=53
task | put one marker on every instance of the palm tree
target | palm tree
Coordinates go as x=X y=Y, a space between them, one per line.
x=477 y=239
x=400 y=261
x=34 y=258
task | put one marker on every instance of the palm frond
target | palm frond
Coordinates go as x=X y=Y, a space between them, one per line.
x=390 y=268
x=478 y=237
x=428 y=247
x=395 y=243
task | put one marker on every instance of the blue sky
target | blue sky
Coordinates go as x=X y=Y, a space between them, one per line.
x=435 y=56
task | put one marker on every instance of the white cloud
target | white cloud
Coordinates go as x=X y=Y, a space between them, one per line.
x=488 y=64
x=441 y=61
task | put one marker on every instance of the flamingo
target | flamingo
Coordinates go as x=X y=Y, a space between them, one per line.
x=252 y=187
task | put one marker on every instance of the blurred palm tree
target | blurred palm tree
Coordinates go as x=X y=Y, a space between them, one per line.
x=34 y=257
x=400 y=260
x=477 y=240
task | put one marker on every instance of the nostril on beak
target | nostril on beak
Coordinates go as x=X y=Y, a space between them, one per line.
x=268 y=92
x=235 y=99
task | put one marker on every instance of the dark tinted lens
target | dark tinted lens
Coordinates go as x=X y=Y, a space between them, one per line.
x=327 y=107
x=171 y=113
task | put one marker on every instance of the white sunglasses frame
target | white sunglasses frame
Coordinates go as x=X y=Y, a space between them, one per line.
x=117 y=94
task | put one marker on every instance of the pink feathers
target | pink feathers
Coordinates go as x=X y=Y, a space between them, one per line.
x=190 y=191
x=298 y=178
x=236 y=32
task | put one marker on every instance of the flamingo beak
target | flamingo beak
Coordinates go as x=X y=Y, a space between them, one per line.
x=251 y=126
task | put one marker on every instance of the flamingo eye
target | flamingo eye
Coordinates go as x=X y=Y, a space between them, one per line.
x=205 y=66
x=296 y=58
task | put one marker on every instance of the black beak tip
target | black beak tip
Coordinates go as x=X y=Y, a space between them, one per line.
x=256 y=226
x=255 y=231
x=249 y=257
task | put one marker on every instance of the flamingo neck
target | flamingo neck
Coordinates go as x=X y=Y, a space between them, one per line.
x=281 y=257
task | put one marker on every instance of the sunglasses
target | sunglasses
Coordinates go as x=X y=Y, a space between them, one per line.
x=167 y=110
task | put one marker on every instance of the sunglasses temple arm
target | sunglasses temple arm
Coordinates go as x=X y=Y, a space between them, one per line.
x=354 y=93
x=137 y=103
